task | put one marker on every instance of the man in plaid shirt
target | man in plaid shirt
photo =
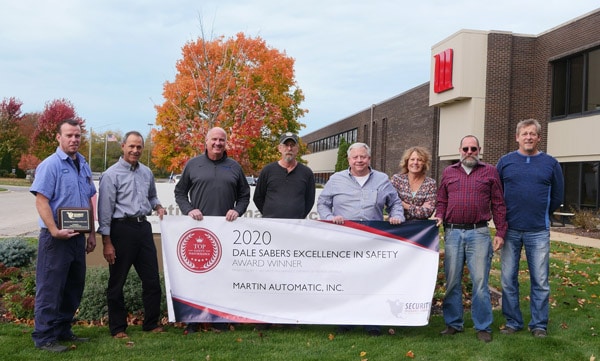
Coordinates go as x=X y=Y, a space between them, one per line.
x=469 y=195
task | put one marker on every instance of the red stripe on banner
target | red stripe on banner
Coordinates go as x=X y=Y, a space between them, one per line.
x=377 y=231
x=225 y=315
x=380 y=232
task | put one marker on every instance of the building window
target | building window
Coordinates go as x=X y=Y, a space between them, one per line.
x=333 y=141
x=589 y=185
x=384 y=131
x=576 y=84
x=593 y=81
x=582 y=181
x=559 y=93
x=374 y=146
x=571 y=173
x=322 y=178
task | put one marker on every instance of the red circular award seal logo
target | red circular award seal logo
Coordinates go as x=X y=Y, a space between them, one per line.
x=199 y=250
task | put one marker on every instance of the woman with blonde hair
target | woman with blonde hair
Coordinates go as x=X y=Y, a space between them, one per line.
x=415 y=189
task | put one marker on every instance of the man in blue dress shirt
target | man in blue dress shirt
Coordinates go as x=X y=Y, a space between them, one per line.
x=359 y=194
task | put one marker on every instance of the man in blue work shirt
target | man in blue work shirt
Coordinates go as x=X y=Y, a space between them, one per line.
x=64 y=179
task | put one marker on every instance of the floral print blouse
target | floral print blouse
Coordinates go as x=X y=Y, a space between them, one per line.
x=426 y=193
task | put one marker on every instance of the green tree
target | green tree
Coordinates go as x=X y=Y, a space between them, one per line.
x=342 y=156
x=105 y=149
x=12 y=142
x=239 y=84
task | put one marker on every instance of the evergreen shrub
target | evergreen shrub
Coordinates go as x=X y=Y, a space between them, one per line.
x=16 y=252
x=93 y=305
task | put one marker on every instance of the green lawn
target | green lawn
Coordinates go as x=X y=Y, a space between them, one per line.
x=573 y=332
x=14 y=182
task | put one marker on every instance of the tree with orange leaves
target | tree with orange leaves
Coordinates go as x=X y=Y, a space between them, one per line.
x=239 y=84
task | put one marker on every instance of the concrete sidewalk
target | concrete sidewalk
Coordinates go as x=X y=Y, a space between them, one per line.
x=573 y=239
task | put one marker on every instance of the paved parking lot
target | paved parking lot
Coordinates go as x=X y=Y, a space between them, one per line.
x=18 y=216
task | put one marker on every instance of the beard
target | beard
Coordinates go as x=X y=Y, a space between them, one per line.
x=469 y=161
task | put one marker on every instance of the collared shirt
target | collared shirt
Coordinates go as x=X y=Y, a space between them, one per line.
x=467 y=198
x=57 y=179
x=343 y=196
x=213 y=187
x=125 y=191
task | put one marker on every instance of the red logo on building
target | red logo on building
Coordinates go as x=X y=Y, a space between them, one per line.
x=199 y=250
x=442 y=77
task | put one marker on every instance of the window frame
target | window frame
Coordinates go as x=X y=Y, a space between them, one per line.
x=564 y=70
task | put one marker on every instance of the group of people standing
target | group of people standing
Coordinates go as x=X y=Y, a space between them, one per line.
x=518 y=195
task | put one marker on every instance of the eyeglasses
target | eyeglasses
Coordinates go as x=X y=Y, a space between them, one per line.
x=473 y=149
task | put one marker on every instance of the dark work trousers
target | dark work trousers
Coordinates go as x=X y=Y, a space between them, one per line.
x=134 y=246
x=59 y=279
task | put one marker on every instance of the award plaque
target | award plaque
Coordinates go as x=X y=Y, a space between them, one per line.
x=77 y=219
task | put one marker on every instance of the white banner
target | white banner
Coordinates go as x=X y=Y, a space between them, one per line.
x=287 y=271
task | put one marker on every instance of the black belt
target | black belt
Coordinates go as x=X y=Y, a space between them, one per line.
x=137 y=219
x=465 y=225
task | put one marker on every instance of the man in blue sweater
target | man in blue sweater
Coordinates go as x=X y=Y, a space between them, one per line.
x=533 y=189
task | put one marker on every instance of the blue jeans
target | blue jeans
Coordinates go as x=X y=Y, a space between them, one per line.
x=537 y=252
x=473 y=246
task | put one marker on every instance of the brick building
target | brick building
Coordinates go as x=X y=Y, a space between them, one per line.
x=483 y=83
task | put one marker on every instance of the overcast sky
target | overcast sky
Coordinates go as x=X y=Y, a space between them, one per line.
x=110 y=58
